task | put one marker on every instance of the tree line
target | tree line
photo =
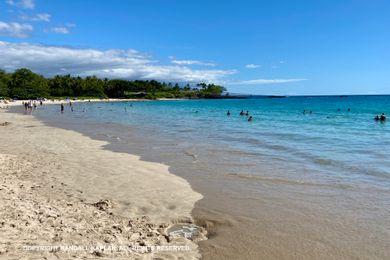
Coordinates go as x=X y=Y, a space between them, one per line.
x=25 y=84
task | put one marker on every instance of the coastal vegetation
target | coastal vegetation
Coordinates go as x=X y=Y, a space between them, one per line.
x=25 y=84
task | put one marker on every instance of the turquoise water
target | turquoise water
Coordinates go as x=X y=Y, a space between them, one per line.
x=286 y=182
x=337 y=144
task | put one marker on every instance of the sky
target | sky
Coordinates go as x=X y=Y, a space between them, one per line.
x=279 y=47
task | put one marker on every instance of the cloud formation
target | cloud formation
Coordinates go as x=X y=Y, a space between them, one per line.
x=252 y=66
x=191 y=62
x=264 y=81
x=43 y=17
x=126 y=64
x=17 y=30
x=24 y=4
x=60 y=30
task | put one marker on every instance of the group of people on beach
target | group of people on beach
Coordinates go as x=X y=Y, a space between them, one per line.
x=242 y=113
x=31 y=104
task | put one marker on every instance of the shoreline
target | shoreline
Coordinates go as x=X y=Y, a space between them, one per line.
x=68 y=171
x=270 y=215
x=12 y=103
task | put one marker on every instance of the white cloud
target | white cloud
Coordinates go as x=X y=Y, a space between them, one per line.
x=44 y=17
x=127 y=64
x=25 y=4
x=191 y=62
x=264 y=81
x=252 y=66
x=60 y=30
x=15 y=29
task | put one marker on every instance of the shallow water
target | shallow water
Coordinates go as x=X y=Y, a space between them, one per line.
x=286 y=185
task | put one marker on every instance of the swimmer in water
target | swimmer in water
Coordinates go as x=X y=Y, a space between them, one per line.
x=242 y=113
x=250 y=119
x=228 y=113
x=383 y=117
x=247 y=113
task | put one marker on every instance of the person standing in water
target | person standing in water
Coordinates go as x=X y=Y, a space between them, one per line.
x=228 y=113
x=62 y=108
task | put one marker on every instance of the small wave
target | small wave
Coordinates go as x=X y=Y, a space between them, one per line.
x=284 y=181
x=323 y=161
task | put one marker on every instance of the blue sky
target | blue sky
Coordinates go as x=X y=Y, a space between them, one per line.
x=261 y=47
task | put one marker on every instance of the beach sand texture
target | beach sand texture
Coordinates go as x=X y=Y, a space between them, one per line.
x=59 y=187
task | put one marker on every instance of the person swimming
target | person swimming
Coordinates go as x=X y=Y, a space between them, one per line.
x=242 y=113
x=247 y=113
x=250 y=119
x=382 y=117
x=228 y=113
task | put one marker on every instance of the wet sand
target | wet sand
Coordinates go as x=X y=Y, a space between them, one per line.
x=59 y=187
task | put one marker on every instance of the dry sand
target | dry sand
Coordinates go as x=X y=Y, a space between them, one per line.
x=60 y=188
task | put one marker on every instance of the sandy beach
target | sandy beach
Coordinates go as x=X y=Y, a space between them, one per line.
x=64 y=196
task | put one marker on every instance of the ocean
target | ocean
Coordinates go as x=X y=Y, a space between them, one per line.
x=308 y=177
